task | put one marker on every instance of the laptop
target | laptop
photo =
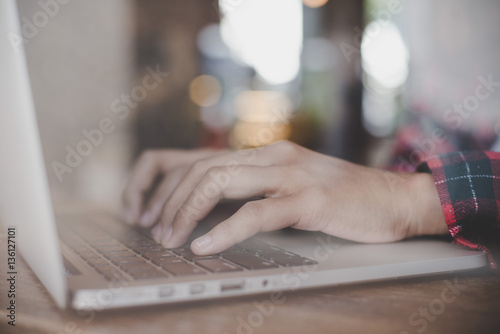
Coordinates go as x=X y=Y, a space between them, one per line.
x=90 y=260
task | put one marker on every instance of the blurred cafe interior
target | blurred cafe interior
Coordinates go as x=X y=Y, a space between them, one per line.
x=337 y=76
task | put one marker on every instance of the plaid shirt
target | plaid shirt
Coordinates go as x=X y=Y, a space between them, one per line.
x=468 y=184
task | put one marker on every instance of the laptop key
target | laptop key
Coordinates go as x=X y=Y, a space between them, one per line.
x=109 y=272
x=249 y=261
x=256 y=246
x=102 y=267
x=136 y=266
x=114 y=275
x=156 y=255
x=232 y=250
x=97 y=262
x=159 y=261
x=105 y=245
x=123 y=260
x=181 y=250
x=86 y=256
x=182 y=269
x=121 y=254
x=111 y=248
x=190 y=256
x=149 y=249
x=217 y=265
x=296 y=261
x=150 y=274
x=79 y=247
x=139 y=243
x=194 y=257
x=279 y=255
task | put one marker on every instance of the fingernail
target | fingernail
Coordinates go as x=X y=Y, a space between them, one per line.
x=167 y=235
x=145 y=219
x=204 y=241
x=156 y=233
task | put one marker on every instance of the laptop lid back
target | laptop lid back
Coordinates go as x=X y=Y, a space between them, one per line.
x=25 y=202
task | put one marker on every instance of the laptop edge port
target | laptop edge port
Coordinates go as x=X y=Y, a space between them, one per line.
x=232 y=286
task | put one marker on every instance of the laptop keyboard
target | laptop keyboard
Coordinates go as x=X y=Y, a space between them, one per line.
x=117 y=251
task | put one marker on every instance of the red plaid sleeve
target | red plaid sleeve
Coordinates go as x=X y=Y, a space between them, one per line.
x=468 y=184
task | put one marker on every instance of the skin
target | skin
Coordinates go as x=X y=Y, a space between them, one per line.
x=299 y=188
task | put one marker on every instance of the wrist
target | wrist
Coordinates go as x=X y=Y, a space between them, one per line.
x=425 y=213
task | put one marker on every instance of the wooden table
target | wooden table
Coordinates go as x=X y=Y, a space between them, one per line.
x=384 y=307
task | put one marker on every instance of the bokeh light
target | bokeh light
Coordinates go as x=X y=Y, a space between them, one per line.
x=266 y=35
x=263 y=118
x=314 y=3
x=384 y=55
x=205 y=90
x=262 y=106
x=210 y=42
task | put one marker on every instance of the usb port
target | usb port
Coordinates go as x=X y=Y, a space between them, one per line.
x=165 y=292
x=232 y=286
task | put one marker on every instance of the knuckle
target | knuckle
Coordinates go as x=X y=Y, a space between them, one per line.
x=288 y=151
x=207 y=179
x=214 y=171
x=278 y=189
x=199 y=166
x=317 y=203
x=220 y=169
x=254 y=210
x=287 y=146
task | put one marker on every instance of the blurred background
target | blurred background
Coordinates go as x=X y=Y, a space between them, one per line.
x=343 y=77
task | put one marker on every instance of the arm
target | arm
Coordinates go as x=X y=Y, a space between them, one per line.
x=468 y=184
x=300 y=188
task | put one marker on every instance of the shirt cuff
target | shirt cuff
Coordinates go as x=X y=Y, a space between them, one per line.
x=468 y=185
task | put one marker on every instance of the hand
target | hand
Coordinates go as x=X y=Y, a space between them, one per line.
x=302 y=189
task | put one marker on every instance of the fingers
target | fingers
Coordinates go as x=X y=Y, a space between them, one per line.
x=150 y=164
x=187 y=185
x=144 y=172
x=216 y=184
x=153 y=209
x=232 y=161
x=257 y=216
